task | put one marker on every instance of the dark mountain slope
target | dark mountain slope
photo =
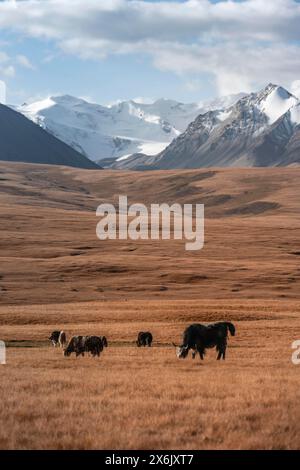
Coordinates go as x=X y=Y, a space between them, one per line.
x=23 y=141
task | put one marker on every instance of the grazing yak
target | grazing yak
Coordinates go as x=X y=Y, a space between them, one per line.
x=95 y=345
x=58 y=338
x=76 y=345
x=200 y=337
x=144 y=339
x=90 y=344
x=104 y=341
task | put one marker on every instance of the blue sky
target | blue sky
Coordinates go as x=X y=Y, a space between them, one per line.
x=106 y=50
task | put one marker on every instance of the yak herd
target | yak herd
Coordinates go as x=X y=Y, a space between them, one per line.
x=79 y=345
x=197 y=337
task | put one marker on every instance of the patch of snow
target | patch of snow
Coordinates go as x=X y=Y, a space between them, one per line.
x=152 y=148
x=124 y=157
x=37 y=106
x=148 y=148
x=276 y=103
x=223 y=115
x=295 y=115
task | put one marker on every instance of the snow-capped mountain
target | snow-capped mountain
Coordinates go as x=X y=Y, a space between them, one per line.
x=23 y=141
x=280 y=144
x=117 y=131
x=258 y=130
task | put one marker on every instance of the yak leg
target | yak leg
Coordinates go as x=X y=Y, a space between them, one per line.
x=221 y=348
x=201 y=353
x=224 y=351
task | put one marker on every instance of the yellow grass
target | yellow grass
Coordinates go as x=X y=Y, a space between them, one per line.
x=134 y=398
x=49 y=251
x=55 y=274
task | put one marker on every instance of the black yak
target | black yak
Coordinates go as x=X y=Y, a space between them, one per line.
x=145 y=338
x=94 y=345
x=82 y=344
x=200 y=337
x=104 y=341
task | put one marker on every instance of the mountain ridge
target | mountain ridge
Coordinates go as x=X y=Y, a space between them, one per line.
x=23 y=141
x=119 y=130
x=248 y=133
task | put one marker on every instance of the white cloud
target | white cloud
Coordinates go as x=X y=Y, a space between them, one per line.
x=194 y=84
x=7 y=71
x=235 y=67
x=2 y=92
x=136 y=20
x=295 y=88
x=24 y=62
x=50 y=57
x=241 y=44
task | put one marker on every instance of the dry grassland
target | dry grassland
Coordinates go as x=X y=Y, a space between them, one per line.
x=54 y=273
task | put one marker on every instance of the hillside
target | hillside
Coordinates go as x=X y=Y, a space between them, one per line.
x=50 y=253
x=23 y=141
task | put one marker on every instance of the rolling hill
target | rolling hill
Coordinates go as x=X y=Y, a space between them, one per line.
x=48 y=223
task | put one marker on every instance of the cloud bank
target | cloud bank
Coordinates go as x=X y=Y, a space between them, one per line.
x=240 y=45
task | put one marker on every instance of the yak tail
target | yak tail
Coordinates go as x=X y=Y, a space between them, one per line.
x=231 y=328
